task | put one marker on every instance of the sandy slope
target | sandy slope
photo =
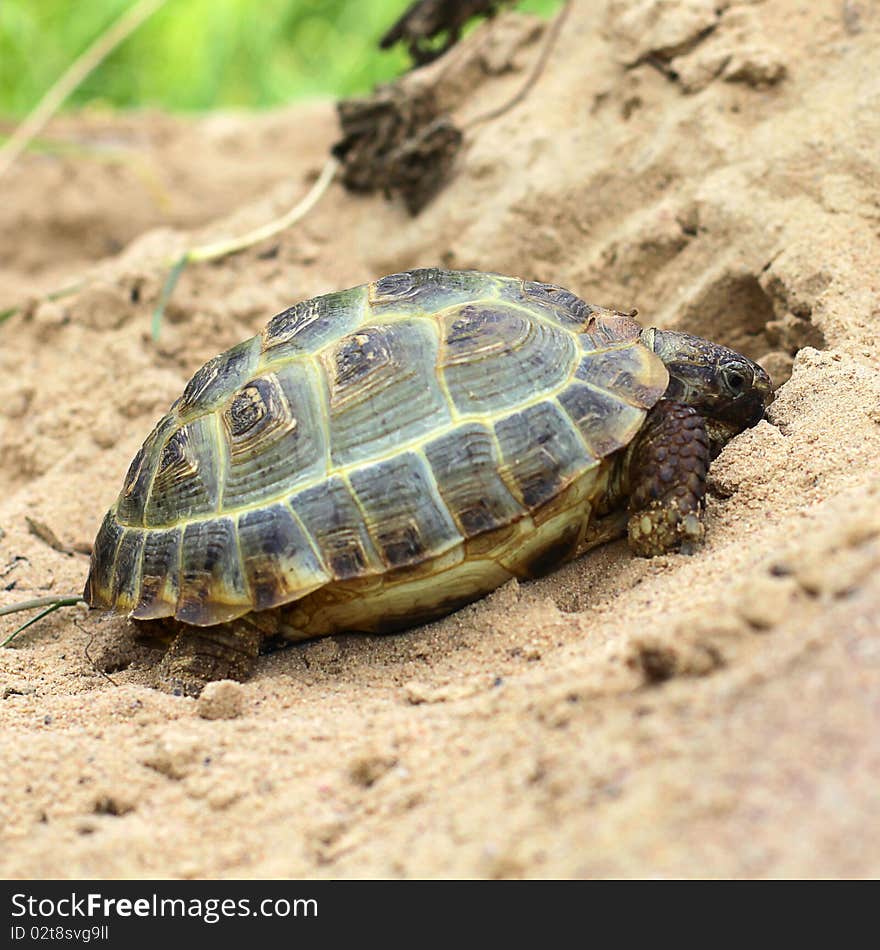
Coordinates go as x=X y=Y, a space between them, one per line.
x=711 y=715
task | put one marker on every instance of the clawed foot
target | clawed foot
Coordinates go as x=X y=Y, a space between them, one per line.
x=658 y=530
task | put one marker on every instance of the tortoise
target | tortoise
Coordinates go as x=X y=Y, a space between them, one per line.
x=378 y=457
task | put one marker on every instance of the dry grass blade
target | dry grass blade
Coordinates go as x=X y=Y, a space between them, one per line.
x=76 y=73
x=51 y=604
x=212 y=252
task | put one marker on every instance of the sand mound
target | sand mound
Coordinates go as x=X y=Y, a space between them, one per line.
x=713 y=164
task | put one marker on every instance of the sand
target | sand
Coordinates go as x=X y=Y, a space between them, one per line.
x=714 y=164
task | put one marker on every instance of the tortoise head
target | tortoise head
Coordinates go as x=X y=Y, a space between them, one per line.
x=729 y=390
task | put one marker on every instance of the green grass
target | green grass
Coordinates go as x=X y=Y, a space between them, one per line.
x=203 y=54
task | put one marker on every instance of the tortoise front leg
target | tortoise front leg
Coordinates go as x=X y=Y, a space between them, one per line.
x=199 y=655
x=667 y=465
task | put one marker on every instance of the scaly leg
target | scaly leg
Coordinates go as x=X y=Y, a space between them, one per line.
x=200 y=655
x=667 y=467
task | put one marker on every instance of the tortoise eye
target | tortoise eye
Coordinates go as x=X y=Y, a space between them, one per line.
x=736 y=378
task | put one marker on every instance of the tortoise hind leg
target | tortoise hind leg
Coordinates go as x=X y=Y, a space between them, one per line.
x=199 y=655
x=667 y=467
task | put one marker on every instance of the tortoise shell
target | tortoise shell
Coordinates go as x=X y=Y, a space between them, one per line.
x=368 y=434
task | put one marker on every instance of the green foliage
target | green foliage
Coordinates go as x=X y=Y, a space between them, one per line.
x=203 y=54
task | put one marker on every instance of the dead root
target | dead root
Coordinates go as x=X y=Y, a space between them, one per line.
x=396 y=141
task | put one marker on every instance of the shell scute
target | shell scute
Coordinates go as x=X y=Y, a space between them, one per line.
x=133 y=497
x=212 y=584
x=429 y=289
x=406 y=519
x=218 y=377
x=331 y=516
x=126 y=571
x=187 y=478
x=542 y=452
x=274 y=437
x=159 y=574
x=465 y=464
x=493 y=357
x=629 y=371
x=312 y=324
x=567 y=307
x=605 y=423
x=100 y=580
x=382 y=391
x=278 y=558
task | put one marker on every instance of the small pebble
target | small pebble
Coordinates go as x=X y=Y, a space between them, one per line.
x=221 y=700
